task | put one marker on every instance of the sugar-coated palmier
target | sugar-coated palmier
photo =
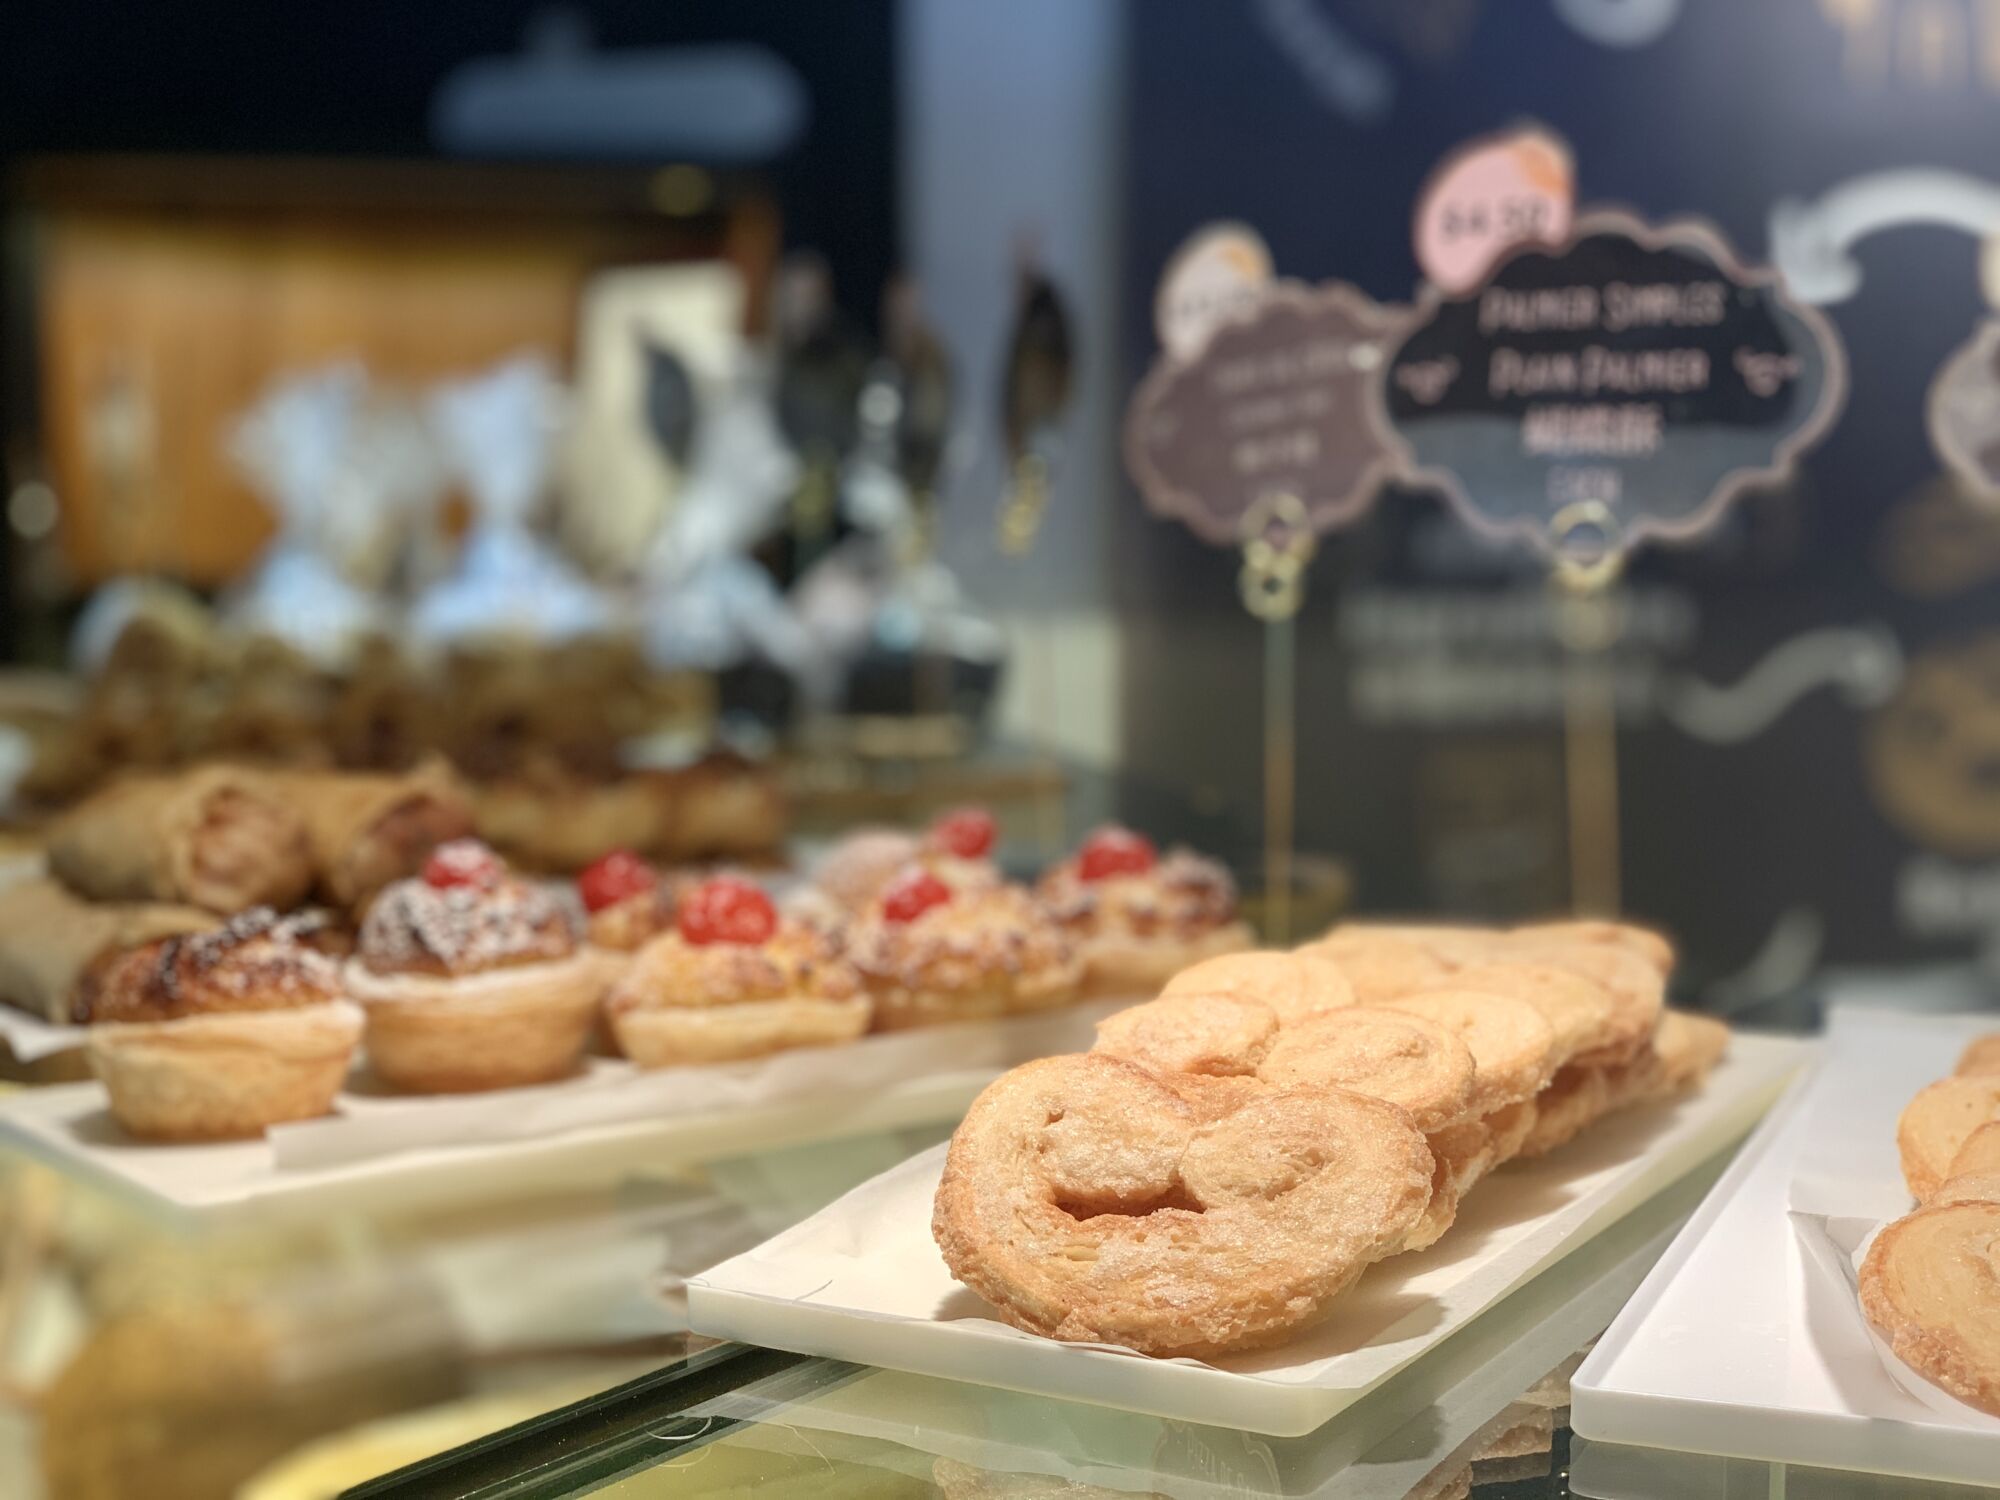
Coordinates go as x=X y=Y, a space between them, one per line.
x=1408 y=1060
x=1936 y=1125
x=1086 y=1201
x=1513 y=1048
x=1293 y=985
x=1930 y=1286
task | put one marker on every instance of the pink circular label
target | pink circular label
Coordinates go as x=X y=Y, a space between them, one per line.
x=1488 y=197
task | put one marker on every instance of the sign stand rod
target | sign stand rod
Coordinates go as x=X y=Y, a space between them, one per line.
x=1588 y=624
x=1277 y=545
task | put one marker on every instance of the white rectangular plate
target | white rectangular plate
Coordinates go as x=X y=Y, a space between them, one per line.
x=384 y=1150
x=862 y=1280
x=1733 y=1346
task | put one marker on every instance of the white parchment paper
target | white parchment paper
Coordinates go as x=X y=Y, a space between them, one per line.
x=1849 y=1179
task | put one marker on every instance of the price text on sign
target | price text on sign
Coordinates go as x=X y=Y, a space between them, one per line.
x=1275 y=402
x=1622 y=385
x=1489 y=196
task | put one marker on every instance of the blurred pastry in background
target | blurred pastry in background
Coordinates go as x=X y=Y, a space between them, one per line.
x=217 y=1035
x=1139 y=918
x=366 y=831
x=723 y=807
x=473 y=978
x=957 y=847
x=931 y=952
x=735 y=979
x=51 y=939
x=547 y=818
x=386 y=714
x=215 y=837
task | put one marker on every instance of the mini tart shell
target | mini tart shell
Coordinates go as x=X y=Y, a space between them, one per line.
x=666 y=1036
x=225 y=1076
x=1120 y=965
x=503 y=1028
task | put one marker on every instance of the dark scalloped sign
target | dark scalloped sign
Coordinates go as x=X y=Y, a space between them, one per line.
x=1275 y=403
x=1623 y=385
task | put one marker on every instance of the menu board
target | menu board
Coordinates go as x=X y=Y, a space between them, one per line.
x=1625 y=383
x=1275 y=403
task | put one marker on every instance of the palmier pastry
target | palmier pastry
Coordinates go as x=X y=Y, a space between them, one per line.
x=1930 y=1284
x=1411 y=1061
x=1967 y=1187
x=1513 y=1048
x=1642 y=942
x=1634 y=985
x=1584 y=1015
x=1216 y=1036
x=220 y=1034
x=1293 y=985
x=1937 y=1123
x=930 y=952
x=1139 y=918
x=1980 y=1153
x=733 y=979
x=473 y=978
x=1381 y=963
x=1981 y=1055
x=1085 y=1200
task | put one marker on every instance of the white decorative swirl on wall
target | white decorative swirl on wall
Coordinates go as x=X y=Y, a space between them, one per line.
x=1863 y=664
x=1811 y=241
x=1620 y=23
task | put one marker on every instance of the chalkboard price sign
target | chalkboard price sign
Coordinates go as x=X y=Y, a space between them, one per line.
x=1275 y=403
x=1625 y=383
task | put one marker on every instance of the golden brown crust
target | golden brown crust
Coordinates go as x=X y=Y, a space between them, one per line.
x=668 y=1036
x=454 y=931
x=215 y=837
x=1930 y=1284
x=1980 y=1153
x=1642 y=942
x=1085 y=1200
x=1938 y=1122
x=1981 y=1055
x=1582 y=1012
x=256 y=961
x=1382 y=963
x=1293 y=985
x=225 y=1075
x=501 y=1028
x=987 y=951
x=1219 y=1036
x=1513 y=1048
x=627 y=926
x=51 y=941
x=1410 y=1061
x=801 y=961
x=1632 y=982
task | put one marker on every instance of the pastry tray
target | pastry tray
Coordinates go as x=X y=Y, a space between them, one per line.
x=1435 y=1413
x=1739 y=1344
x=862 y=1280
x=382 y=1151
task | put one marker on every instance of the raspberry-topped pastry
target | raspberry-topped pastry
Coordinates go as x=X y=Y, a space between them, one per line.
x=626 y=902
x=219 y=1034
x=931 y=951
x=1140 y=917
x=732 y=978
x=473 y=977
x=957 y=848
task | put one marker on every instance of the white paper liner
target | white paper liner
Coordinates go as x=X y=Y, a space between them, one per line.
x=868 y=1262
x=1834 y=1249
x=1848 y=1182
x=611 y=1091
x=31 y=1039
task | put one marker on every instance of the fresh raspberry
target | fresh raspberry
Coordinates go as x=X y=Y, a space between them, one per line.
x=463 y=862
x=614 y=878
x=911 y=894
x=1115 y=851
x=967 y=832
x=727 y=910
